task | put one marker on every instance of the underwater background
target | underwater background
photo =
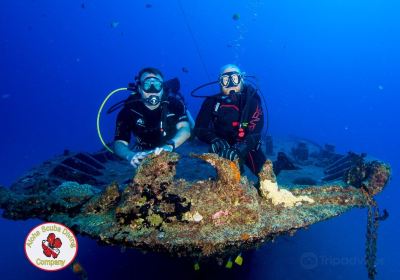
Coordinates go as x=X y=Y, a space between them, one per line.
x=329 y=70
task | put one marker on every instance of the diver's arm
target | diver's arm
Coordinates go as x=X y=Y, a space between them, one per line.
x=180 y=137
x=122 y=136
x=190 y=119
x=182 y=134
x=135 y=158
x=122 y=150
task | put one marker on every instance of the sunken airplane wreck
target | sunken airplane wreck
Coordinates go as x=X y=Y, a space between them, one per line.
x=197 y=204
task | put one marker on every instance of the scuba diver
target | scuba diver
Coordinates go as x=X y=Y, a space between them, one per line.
x=231 y=121
x=157 y=120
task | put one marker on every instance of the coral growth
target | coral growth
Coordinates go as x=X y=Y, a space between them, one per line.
x=203 y=218
x=192 y=217
x=270 y=191
x=72 y=194
x=105 y=201
x=219 y=217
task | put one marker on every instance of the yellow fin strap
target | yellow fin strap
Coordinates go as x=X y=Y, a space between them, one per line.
x=196 y=266
x=239 y=259
x=229 y=264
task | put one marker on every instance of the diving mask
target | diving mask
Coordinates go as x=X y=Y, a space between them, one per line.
x=152 y=85
x=230 y=79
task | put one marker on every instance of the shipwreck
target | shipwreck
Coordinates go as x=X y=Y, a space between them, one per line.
x=196 y=204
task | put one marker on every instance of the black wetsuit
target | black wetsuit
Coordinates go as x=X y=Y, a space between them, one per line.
x=151 y=128
x=220 y=116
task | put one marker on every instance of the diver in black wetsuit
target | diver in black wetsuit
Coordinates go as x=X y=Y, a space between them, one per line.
x=232 y=121
x=158 y=121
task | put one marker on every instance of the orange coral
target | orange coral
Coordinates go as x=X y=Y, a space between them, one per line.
x=245 y=236
x=235 y=170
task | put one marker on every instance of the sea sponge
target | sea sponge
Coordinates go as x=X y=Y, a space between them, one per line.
x=270 y=190
x=192 y=217
x=154 y=220
x=72 y=194
x=219 y=218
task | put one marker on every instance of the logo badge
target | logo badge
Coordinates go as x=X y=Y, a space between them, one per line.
x=51 y=246
x=140 y=122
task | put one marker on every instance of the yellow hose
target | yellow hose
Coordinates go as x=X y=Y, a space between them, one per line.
x=99 y=114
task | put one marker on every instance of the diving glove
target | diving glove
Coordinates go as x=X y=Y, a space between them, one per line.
x=167 y=148
x=242 y=148
x=229 y=153
x=137 y=158
x=218 y=144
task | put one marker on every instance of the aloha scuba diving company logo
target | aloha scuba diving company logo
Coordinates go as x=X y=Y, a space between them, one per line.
x=51 y=246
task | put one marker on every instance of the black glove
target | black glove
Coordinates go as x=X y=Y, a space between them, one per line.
x=218 y=144
x=242 y=148
x=229 y=153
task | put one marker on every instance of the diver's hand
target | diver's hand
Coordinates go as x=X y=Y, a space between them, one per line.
x=137 y=158
x=218 y=145
x=167 y=148
x=230 y=153
x=242 y=148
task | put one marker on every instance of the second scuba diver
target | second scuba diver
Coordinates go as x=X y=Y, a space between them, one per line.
x=158 y=121
x=231 y=122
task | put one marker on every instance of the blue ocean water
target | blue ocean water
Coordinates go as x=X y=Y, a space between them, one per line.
x=329 y=71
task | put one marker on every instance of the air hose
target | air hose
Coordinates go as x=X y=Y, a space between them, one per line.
x=99 y=114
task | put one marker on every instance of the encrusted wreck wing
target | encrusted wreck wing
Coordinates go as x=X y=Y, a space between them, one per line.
x=209 y=217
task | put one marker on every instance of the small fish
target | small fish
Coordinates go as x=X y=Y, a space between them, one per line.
x=232 y=45
x=148 y=6
x=236 y=17
x=380 y=87
x=83 y=6
x=114 y=24
x=185 y=70
x=5 y=96
x=79 y=270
